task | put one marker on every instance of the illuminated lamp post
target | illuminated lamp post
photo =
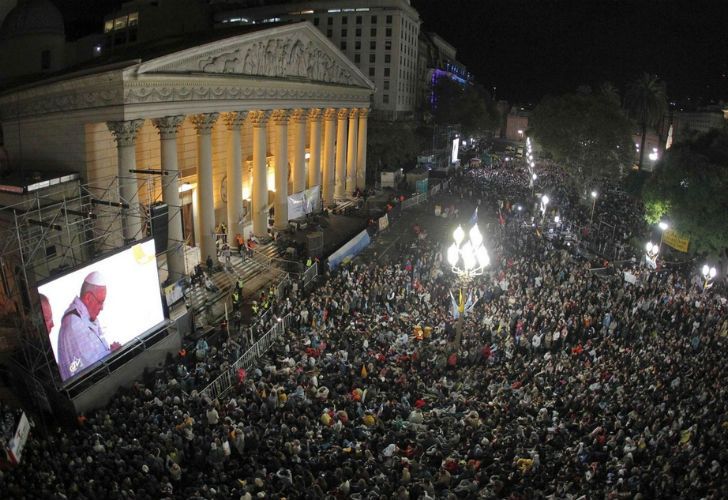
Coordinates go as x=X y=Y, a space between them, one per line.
x=663 y=227
x=708 y=275
x=651 y=251
x=594 y=195
x=467 y=260
x=544 y=203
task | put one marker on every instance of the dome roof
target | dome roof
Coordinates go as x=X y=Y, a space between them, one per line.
x=31 y=17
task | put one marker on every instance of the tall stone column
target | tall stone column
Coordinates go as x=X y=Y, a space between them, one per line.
x=361 y=150
x=298 y=118
x=233 y=123
x=204 y=123
x=259 y=207
x=340 y=181
x=351 y=152
x=125 y=135
x=167 y=128
x=329 y=133
x=314 y=160
x=280 y=118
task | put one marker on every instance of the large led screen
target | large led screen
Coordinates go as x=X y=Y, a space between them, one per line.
x=94 y=311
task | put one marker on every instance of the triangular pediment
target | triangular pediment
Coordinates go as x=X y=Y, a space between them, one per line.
x=297 y=51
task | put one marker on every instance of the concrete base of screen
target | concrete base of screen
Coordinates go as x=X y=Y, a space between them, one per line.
x=100 y=392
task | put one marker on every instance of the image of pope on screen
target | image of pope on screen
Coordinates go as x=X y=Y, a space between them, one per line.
x=92 y=312
x=81 y=341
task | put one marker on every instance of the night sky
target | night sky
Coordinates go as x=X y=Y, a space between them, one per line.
x=530 y=48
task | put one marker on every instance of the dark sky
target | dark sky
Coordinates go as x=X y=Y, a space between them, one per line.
x=530 y=48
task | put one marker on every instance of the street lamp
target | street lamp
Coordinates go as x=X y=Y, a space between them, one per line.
x=708 y=275
x=663 y=227
x=467 y=260
x=544 y=203
x=651 y=251
x=594 y=195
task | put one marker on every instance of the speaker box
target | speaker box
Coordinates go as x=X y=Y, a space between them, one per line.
x=160 y=226
x=315 y=244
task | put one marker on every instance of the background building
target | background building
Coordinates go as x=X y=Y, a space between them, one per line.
x=379 y=36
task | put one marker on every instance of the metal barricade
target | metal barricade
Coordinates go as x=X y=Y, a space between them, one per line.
x=224 y=381
x=310 y=274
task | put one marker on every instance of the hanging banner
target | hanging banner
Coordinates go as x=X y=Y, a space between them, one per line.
x=17 y=443
x=676 y=240
x=303 y=203
x=383 y=222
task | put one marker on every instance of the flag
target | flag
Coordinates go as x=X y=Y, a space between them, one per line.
x=501 y=220
x=455 y=310
x=474 y=219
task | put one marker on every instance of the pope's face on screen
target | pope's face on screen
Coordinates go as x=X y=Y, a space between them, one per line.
x=94 y=300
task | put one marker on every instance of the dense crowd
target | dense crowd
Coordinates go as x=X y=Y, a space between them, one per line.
x=568 y=384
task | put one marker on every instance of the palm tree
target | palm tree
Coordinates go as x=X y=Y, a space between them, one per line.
x=646 y=102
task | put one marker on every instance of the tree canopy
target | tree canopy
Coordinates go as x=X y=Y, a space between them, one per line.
x=646 y=102
x=588 y=133
x=391 y=144
x=690 y=188
x=467 y=105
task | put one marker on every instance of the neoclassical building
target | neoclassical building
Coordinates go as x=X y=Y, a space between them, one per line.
x=218 y=128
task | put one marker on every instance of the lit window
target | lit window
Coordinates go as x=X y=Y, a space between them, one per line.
x=108 y=26
x=133 y=19
x=120 y=23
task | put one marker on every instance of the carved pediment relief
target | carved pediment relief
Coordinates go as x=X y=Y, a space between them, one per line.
x=300 y=52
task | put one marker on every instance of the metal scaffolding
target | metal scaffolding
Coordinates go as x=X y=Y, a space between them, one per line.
x=49 y=228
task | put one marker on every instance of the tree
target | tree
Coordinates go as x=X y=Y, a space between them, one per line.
x=390 y=144
x=689 y=188
x=466 y=104
x=646 y=102
x=587 y=133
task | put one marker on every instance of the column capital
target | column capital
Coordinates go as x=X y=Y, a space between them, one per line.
x=363 y=112
x=342 y=114
x=329 y=114
x=298 y=115
x=279 y=116
x=204 y=122
x=234 y=119
x=314 y=114
x=259 y=118
x=125 y=131
x=167 y=126
x=353 y=113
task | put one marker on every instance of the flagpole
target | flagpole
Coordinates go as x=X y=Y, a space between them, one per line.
x=461 y=315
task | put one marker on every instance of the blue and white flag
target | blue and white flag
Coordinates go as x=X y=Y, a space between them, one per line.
x=474 y=219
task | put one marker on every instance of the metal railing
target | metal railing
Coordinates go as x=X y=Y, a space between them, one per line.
x=309 y=275
x=225 y=381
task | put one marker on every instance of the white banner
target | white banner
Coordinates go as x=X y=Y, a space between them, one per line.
x=630 y=278
x=383 y=222
x=17 y=443
x=303 y=203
